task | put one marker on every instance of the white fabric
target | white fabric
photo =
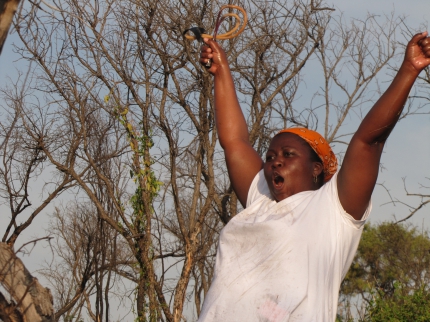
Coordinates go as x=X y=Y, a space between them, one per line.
x=283 y=261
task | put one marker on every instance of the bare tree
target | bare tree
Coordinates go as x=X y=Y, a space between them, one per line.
x=22 y=162
x=121 y=114
x=89 y=255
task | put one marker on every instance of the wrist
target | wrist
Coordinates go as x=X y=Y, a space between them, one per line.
x=222 y=70
x=408 y=69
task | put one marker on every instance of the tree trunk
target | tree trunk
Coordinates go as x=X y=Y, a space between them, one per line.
x=7 y=11
x=33 y=300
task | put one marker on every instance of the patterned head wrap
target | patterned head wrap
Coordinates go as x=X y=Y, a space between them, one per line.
x=320 y=146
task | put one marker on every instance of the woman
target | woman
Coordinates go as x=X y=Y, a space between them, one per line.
x=284 y=257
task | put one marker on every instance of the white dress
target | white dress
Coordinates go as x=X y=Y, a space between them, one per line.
x=283 y=261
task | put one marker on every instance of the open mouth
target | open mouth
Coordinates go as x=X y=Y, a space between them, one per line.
x=277 y=180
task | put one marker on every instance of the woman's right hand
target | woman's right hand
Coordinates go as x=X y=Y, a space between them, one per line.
x=213 y=51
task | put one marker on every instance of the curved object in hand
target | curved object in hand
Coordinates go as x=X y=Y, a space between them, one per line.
x=235 y=31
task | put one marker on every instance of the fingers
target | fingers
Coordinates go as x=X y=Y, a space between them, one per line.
x=416 y=38
x=206 y=60
x=418 y=51
x=206 y=52
x=212 y=44
x=206 y=55
x=424 y=43
x=212 y=57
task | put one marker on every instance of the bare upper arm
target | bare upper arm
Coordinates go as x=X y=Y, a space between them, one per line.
x=243 y=164
x=357 y=176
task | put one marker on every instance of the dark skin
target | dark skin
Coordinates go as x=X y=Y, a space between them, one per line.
x=288 y=168
x=358 y=174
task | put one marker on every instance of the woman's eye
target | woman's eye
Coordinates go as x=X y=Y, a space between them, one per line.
x=269 y=158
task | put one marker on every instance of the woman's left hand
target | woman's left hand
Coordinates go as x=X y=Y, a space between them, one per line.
x=418 y=52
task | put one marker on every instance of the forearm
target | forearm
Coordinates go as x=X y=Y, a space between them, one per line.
x=230 y=121
x=381 y=119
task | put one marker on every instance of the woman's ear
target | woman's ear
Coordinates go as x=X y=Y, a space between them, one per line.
x=318 y=169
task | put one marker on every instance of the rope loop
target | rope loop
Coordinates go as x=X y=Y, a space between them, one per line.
x=199 y=33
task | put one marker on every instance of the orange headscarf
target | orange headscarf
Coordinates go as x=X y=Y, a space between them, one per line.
x=320 y=146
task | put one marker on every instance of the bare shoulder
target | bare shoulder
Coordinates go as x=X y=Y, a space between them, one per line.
x=243 y=164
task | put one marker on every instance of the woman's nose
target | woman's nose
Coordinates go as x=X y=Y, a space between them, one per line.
x=277 y=162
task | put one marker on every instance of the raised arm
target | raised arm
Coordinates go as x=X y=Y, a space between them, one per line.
x=360 y=167
x=243 y=162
